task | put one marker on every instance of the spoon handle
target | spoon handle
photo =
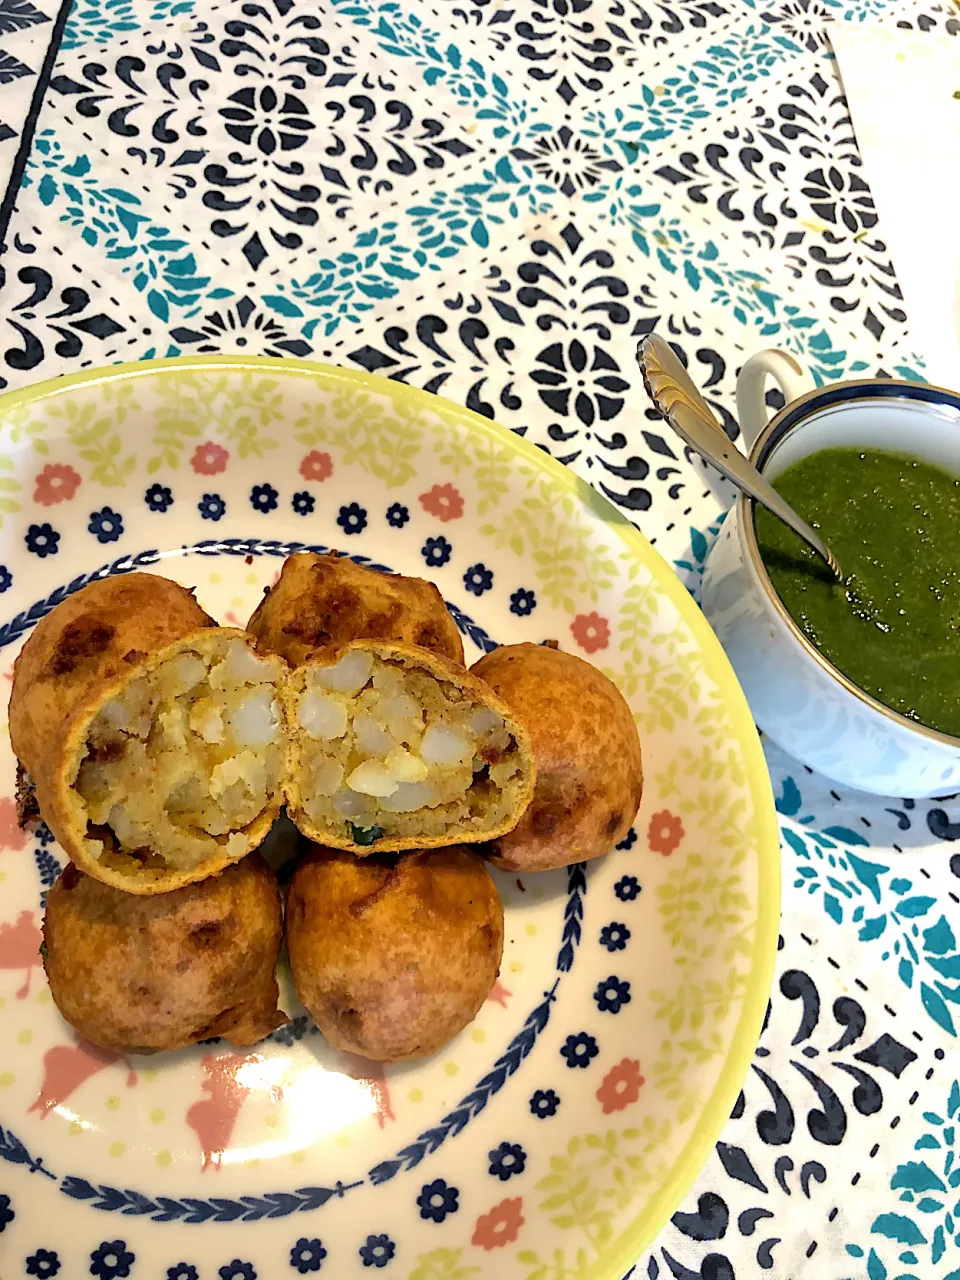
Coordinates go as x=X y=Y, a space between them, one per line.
x=673 y=392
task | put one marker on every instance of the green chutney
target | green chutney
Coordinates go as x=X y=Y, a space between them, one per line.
x=893 y=627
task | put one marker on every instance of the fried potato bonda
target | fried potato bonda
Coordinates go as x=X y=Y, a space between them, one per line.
x=587 y=752
x=393 y=955
x=152 y=737
x=145 y=974
x=321 y=602
x=392 y=747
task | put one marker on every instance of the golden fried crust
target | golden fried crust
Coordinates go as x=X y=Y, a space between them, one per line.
x=321 y=601
x=146 y=974
x=393 y=956
x=97 y=637
x=587 y=749
x=442 y=669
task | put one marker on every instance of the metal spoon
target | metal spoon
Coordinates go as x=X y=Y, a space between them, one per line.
x=672 y=390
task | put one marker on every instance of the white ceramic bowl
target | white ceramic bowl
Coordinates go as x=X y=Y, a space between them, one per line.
x=797 y=697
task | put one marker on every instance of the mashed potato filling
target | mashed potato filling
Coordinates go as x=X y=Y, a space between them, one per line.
x=187 y=756
x=389 y=750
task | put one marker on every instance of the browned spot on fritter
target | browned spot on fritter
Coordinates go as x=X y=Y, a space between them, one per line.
x=71 y=877
x=83 y=639
x=26 y=798
x=360 y=906
x=205 y=934
x=545 y=819
x=551 y=644
x=133 y=656
x=614 y=821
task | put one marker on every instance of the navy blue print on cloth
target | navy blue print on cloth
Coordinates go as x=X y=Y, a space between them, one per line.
x=377 y=1251
x=523 y=602
x=6 y=579
x=43 y=540
x=507 y=1160
x=478 y=579
x=106 y=525
x=627 y=888
x=611 y=995
x=158 y=497
x=211 y=506
x=436 y=551
x=544 y=1104
x=397 y=515
x=579 y=1050
x=437 y=1200
x=614 y=936
x=307 y=1255
x=303 y=503
x=183 y=1271
x=263 y=497
x=352 y=518
x=111 y=1261
x=7 y=1214
x=629 y=840
x=44 y=1264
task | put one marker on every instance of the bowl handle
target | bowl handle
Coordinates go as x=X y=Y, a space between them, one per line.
x=789 y=374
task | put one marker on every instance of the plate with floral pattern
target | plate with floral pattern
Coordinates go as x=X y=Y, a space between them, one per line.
x=555 y=1135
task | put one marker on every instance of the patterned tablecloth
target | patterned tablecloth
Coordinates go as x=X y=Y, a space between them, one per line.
x=492 y=200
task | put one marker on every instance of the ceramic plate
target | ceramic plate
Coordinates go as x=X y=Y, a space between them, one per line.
x=552 y=1139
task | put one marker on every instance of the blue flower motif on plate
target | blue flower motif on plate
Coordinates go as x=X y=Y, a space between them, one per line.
x=436 y=551
x=158 y=497
x=507 y=1160
x=629 y=840
x=7 y=1215
x=183 y=1271
x=303 y=503
x=478 y=579
x=307 y=1255
x=437 y=1200
x=237 y=1270
x=211 y=506
x=377 y=1251
x=263 y=497
x=44 y=1264
x=106 y=524
x=352 y=518
x=612 y=994
x=579 y=1050
x=627 y=888
x=544 y=1104
x=6 y=579
x=614 y=936
x=397 y=515
x=43 y=540
x=523 y=602
x=112 y=1260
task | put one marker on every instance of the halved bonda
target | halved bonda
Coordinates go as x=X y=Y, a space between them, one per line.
x=396 y=748
x=153 y=738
